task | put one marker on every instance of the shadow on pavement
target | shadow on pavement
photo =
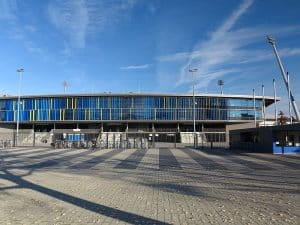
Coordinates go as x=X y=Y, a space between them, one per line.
x=85 y=204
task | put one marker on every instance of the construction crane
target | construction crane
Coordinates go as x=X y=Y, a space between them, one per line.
x=271 y=40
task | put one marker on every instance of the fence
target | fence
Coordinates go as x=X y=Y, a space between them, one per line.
x=212 y=140
x=6 y=139
x=114 y=140
x=25 y=138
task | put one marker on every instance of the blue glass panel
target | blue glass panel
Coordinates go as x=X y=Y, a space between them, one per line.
x=55 y=114
x=115 y=114
x=69 y=114
x=95 y=114
x=2 y=115
x=105 y=114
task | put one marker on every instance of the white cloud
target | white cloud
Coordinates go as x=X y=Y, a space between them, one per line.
x=217 y=50
x=72 y=17
x=135 y=67
x=9 y=13
x=227 y=47
x=79 y=18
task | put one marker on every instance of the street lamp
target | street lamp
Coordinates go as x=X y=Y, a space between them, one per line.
x=19 y=71
x=263 y=104
x=193 y=71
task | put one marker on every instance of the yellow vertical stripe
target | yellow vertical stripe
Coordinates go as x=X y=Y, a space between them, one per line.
x=49 y=115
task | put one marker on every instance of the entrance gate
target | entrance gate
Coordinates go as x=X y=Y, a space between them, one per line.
x=164 y=140
x=142 y=140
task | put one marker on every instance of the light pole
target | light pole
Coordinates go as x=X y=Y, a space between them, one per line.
x=263 y=104
x=289 y=91
x=194 y=104
x=254 y=107
x=275 y=97
x=19 y=71
x=65 y=84
x=221 y=83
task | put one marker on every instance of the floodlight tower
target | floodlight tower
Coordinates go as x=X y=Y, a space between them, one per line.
x=65 y=84
x=19 y=71
x=193 y=71
x=221 y=84
x=271 y=40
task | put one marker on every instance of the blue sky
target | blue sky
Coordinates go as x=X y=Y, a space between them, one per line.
x=147 y=45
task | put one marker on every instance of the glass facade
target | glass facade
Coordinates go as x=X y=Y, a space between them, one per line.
x=124 y=108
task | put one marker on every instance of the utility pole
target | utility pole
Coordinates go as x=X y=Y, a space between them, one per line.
x=263 y=104
x=192 y=71
x=275 y=100
x=271 y=40
x=254 y=107
x=19 y=71
x=289 y=91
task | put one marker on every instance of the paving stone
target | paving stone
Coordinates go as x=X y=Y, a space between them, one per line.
x=155 y=186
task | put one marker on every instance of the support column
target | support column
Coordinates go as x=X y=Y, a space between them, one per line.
x=174 y=140
x=153 y=135
x=33 y=135
x=195 y=136
x=202 y=135
x=153 y=127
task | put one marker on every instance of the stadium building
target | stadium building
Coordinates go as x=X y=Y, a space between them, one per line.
x=97 y=114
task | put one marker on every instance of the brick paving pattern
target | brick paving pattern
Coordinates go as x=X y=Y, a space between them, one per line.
x=155 y=186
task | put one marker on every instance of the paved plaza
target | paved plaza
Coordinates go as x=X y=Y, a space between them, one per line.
x=155 y=186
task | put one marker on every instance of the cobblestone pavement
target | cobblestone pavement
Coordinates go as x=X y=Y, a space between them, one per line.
x=155 y=186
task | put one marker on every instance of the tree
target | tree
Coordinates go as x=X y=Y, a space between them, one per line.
x=282 y=118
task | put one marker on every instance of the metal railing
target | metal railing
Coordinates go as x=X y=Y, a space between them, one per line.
x=116 y=140
x=6 y=143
